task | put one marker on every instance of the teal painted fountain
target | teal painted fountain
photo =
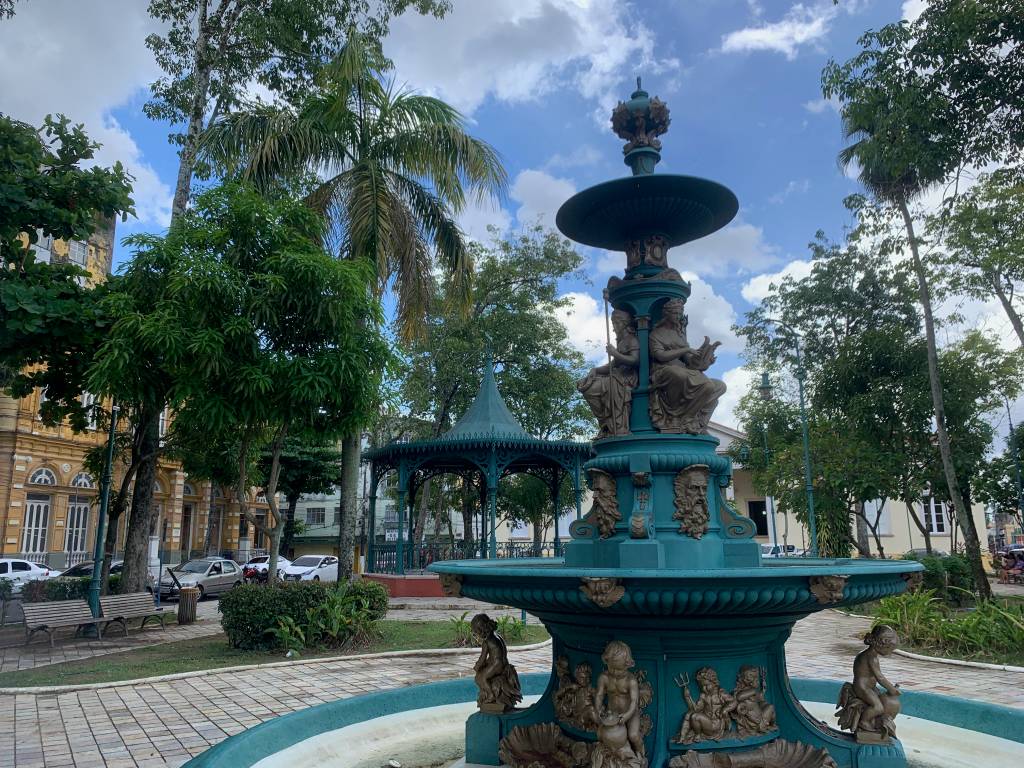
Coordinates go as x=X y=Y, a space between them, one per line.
x=668 y=628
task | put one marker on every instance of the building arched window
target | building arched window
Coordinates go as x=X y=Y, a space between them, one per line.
x=83 y=480
x=188 y=490
x=157 y=488
x=43 y=476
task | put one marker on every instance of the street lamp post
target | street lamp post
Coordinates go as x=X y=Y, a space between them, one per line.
x=97 y=554
x=765 y=390
x=812 y=524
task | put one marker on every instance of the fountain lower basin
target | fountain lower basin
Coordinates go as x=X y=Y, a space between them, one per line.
x=424 y=726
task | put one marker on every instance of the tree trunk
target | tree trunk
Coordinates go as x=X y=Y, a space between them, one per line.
x=467 y=517
x=919 y=524
x=142 y=518
x=538 y=535
x=200 y=95
x=274 y=513
x=289 y=526
x=1011 y=311
x=421 y=513
x=874 y=530
x=863 y=542
x=350 y=445
x=963 y=516
x=114 y=513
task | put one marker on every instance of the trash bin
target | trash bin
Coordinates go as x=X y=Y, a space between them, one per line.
x=188 y=598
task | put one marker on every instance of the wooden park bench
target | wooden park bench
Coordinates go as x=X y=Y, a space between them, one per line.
x=137 y=605
x=48 y=616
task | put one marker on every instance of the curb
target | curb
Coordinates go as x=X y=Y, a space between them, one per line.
x=53 y=689
x=941 y=659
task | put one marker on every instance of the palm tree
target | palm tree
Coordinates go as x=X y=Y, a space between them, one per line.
x=890 y=146
x=390 y=169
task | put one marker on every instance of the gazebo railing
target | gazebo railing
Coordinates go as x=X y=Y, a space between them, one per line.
x=384 y=557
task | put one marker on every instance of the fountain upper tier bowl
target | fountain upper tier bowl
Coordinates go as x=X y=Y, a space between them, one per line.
x=679 y=208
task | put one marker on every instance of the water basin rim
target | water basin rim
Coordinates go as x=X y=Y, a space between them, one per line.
x=548 y=567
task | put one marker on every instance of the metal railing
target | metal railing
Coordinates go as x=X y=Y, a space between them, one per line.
x=384 y=557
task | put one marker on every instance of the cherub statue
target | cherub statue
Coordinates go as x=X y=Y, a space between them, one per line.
x=565 y=694
x=708 y=718
x=753 y=715
x=862 y=708
x=620 y=742
x=495 y=677
x=584 y=706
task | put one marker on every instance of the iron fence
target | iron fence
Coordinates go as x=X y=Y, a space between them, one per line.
x=384 y=557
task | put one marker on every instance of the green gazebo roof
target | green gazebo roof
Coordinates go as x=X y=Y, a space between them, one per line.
x=487 y=416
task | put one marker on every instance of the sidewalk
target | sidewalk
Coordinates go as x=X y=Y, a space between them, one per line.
x=164 y=723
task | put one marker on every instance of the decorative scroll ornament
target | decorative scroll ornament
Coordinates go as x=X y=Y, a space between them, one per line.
x=709 y=718
x=575 y=698
x=621 y=698
x=754 y=716
x=602 y=592
x=605 y=511
x=691 y=500
x=543 y=745
x=608 y=389
x=776 y=754
x=451 y=584
x=638 y=521
x=734 y=525
x=496 y=679
x=828 y=589
x=862 y=708
x=682 y=397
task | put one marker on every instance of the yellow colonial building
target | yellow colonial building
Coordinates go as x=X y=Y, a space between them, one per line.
x=49 y=501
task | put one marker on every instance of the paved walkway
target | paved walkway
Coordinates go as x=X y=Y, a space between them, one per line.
x=165 y=723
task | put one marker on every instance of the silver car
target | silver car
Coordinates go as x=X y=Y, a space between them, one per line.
x=211 y=575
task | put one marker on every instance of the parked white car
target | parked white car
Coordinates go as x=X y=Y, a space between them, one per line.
x=778 y=550
x=21 y=571
x=255 y=568
x=312 y=568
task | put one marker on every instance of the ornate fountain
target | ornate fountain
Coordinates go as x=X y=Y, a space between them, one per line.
x=668 y=629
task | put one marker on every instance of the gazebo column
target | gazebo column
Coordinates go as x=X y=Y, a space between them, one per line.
x=577 y=489
x=403 y=489
x=556 y=482
x=492 y=502
x=483 y=514
x=371 y=528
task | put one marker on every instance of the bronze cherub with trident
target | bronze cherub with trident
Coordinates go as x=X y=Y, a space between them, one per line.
x=710 y=717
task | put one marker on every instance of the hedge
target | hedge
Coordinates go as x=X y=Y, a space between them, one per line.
x=374 y=593
x=61 y=588
x=250 y=610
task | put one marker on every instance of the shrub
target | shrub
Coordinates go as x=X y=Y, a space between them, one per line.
x=6 y=589
x=948 y=577
x=250 y=612
x=462 y=630
x=343 y=618
x=61 y=588
x=374 y=594
x=511 y=628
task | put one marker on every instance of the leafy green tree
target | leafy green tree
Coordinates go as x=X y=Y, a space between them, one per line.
x=266 y=335
x=306 y=467
x=399 y=167
x=982 y=231
x=998 y=482
x=895 y=123
x=512 y=321
x=50 y=322
x=527 y=499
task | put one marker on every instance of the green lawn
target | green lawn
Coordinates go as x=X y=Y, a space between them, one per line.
x=214 y=652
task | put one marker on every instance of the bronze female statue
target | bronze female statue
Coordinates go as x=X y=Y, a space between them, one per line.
x=496 y=679
x=682 y=397
x=608 y=389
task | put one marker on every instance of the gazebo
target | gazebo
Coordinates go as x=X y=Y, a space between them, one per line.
x=487 y=443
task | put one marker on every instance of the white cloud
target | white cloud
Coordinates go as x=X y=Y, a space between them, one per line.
x=584 y=323
x=913 y=8
x=477 y=216
x=800 y=26
x=740 y=247
x=581 y=157
x=524 y=50
x=794 y=187
x=817 y=106
x=539 y=195
x=758 y=288
x=737 y=382
x=709 y=315
x=72 y=57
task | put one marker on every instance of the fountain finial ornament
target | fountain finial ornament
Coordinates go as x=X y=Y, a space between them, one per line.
x=640 y=121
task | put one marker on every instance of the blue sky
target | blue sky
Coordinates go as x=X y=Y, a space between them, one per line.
x=537 y=79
